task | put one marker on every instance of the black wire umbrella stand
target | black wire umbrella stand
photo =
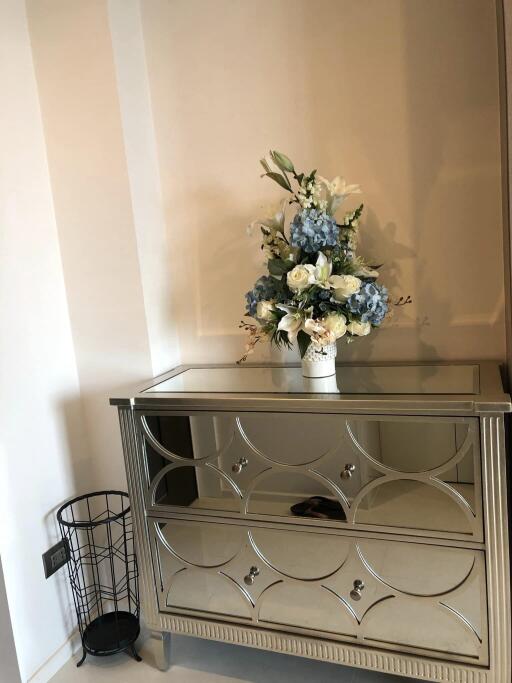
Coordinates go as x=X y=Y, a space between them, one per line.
x=103 y=572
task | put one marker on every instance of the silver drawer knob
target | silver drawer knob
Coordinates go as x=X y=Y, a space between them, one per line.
x=237 y=467
x=355 y=593
x=348 y=471
x=253 y=573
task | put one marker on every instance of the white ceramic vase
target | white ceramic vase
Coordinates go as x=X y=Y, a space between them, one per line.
x=319 y=361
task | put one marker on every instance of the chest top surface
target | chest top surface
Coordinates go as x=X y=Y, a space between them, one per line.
x=464 y=388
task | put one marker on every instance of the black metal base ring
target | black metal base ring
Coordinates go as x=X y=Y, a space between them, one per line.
x=109 y=634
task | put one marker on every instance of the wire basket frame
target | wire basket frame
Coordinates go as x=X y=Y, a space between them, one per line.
x=103 y=573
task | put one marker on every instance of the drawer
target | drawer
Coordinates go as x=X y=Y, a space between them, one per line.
x=419 y=475
x=413 y=597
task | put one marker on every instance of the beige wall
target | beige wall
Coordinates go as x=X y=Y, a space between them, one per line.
x=76 y=78
x=399 y=96
x=43 y=445
x=143 y=173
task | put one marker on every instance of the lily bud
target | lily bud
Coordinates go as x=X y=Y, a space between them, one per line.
x=282 y=161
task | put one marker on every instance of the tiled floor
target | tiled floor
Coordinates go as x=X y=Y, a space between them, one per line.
x=202 y=661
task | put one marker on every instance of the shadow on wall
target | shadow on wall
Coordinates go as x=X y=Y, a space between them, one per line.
x=453 y=188
x=80 y=477
x=206 y=315
x=406 y=103
x=380 y=245
x=209 y=292
x=65 y=597
x=453 y=142
x=10 y=670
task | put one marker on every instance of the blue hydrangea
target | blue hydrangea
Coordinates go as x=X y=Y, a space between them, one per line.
x=370 y=304
x=265 y=288
x=321 y=298
x=312 y=229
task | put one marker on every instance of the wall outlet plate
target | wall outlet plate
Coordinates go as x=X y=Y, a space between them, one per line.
x=56 y=557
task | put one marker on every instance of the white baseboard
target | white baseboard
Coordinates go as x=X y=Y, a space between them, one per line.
x=57 y=660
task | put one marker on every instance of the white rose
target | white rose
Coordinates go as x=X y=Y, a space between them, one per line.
x=264 y=310
x=344 y=286
x=298 y=278
x=359 y=329
x=335 y=323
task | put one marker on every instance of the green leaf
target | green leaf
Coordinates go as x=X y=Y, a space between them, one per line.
x=265 y=165
x=358 y=212
x=280 y=180
x=303 y=340
x=278 y=267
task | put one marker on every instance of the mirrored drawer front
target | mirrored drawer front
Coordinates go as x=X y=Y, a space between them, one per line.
x=415 y=597
x=420 y=475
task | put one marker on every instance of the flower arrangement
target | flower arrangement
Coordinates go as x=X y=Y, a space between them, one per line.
x=317 y=289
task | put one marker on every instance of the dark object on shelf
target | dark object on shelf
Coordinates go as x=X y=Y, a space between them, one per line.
x=319 y=507
x=103 y=571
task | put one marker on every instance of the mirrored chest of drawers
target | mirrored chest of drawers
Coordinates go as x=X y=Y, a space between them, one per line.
x=359 y=519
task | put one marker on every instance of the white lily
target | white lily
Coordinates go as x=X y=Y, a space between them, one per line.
x=337 y=191
x=312 y=326
x=274 y=220
x=318 y=332
x=366 y=271
x=320 y=273
x=291 y=322
x=339 y=187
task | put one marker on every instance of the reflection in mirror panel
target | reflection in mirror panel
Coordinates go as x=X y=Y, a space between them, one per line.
x=177 y=486
x=294 y=494
x=202 y=545
x=197 y=437
x=469 y=600
x=319 y=467
x=291 y=438
x=172 y=432
x=415 y=505
x=446 y=632
x=310 y=606
x=409 y=445
x=301 y=555
x=193 y=589
x=415 y=568
x=350 y=379
x=305 y=581
x=200 y=488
